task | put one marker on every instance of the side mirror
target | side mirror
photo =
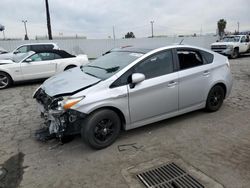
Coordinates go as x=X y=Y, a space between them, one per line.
x=16 y=52
x=28 y=60
x=137 y=78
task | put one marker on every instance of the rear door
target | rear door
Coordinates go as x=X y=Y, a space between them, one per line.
x=158 y=94
x=39 y=65
x=194 y=77
x=243 y=44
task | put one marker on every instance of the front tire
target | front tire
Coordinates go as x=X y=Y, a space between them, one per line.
x=69 y=67
x=101 y=128
x=235 y=53
x=5 y=80
x=215 y=98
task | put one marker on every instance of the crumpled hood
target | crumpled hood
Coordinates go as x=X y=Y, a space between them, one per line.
x=68 y=82
x=4 y=62
x=222 y=43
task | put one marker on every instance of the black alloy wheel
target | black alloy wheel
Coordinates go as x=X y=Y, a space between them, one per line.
x=215 y=98
x=101 y=128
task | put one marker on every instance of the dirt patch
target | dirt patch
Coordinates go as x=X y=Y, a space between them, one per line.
x=14 y=171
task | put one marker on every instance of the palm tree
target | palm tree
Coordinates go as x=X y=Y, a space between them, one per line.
x=48 y=19
x=221 y=24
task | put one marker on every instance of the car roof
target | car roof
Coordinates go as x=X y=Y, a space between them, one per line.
x=147 y=48
x=235 y=35
x=29 y=44
x=62 y=53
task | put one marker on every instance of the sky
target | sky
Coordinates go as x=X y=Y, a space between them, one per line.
x=95 y=18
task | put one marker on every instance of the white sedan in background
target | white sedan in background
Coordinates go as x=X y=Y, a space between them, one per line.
x=37 y=65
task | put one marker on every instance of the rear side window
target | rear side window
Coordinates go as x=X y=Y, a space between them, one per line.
x=208 y=57
x=189 y=59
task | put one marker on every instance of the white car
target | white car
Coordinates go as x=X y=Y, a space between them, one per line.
x=29 y=47
x=2 y=50
x=232 y=45
x=37 y=65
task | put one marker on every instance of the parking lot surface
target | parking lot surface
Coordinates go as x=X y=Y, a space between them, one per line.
x=215 y=144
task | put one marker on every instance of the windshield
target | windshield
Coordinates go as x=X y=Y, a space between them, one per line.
x=19 y=57
x=109 y=64
x=231 y=39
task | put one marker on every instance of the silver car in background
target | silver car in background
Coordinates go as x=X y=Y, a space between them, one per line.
x=131 y=87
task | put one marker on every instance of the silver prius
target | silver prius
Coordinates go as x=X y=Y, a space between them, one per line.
x=131 y=87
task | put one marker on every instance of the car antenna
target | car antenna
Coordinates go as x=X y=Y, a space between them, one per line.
x=181 y=41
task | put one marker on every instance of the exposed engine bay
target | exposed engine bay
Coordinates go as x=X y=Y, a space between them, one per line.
x=58 y=121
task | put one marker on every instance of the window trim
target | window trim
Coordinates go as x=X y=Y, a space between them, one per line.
x=175 y=67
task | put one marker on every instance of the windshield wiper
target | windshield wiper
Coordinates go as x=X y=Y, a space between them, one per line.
x=108 y=70
x=94 y=66
x=91 y=74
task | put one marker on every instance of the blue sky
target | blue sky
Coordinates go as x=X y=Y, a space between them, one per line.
x=95 y=18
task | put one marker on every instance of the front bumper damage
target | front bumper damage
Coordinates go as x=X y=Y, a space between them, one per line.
x=58 y=122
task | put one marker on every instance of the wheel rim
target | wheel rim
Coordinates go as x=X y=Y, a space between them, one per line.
x=3 y=81
x=235 y=54
x=216 y=98
x=104 y=130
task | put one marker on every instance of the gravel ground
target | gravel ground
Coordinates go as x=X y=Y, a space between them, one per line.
x=215 y=144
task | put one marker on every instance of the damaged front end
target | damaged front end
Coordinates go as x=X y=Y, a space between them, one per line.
x=60 y=120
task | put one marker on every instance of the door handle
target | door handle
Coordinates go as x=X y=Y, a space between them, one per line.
x=172 y=83
x=206 y=73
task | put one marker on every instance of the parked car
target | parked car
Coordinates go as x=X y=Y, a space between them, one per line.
x=232 y=45
x=28 y=47
x=2 y=51
x=129 y=88
x=37 y=65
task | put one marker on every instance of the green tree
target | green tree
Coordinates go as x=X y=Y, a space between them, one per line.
x=129 y=35
x=221 y=24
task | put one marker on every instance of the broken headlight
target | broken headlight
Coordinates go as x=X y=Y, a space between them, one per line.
x=68 y=102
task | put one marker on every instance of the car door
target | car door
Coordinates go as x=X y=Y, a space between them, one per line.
x=158 y=94
x=243 y=45
x=194 y=77
x=39 y=65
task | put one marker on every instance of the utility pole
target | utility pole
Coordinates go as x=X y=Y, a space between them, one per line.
x=114 y=32
x=25 y=27
x=3 y=35
x=152 y=28
x=238 y=23
x=201 y=31
x=48 y=19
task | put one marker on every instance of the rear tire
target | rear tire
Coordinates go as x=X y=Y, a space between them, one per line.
x=101 y=129
x=235 y=53
x=215 y=98
x=69 y=67
x=5 y=80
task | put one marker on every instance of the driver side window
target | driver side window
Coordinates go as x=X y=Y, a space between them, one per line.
x=243 y=39
x=35 y=57
x=157 y=65
x=23 y=49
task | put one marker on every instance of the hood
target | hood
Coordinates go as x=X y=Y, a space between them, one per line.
x=6 y=56
x=68 y=82
x=4 y=62
x=222 y=43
